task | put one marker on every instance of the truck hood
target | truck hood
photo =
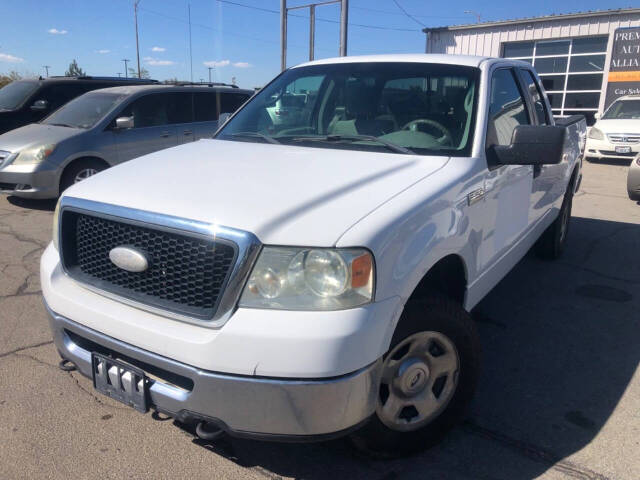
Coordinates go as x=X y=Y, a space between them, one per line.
x=628 y=125
x=34 y=135
x=285 y=195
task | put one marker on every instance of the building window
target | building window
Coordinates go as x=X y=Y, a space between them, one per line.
x=571 y=71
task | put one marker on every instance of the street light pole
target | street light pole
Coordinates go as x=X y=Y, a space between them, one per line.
x=210 y=68
x=47 y=67
x=471 y=12
x=126 y=70
x=135 y=15
x=344 y=20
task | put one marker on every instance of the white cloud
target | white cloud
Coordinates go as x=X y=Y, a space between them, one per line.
x=103 y=51
x=154 y=62
x=55 y=31
x=5 y=57
x=216 y=63
x=158 y=49
x=242 y=64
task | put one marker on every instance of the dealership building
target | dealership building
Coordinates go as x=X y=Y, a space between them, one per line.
x=585 y=60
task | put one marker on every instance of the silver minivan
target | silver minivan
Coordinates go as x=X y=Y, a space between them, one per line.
x=105 y=127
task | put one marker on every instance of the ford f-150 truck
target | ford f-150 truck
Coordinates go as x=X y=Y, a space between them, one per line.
x=311 y=278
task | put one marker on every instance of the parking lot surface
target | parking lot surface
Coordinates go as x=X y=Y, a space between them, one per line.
x=559 y=394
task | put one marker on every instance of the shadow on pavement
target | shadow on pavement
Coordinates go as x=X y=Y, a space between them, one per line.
x=620 y=162
x=46 y=205
x=560 y=346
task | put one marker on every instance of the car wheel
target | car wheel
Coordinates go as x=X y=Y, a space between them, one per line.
x=428 y=378
x=80 y=170
x=552 y=242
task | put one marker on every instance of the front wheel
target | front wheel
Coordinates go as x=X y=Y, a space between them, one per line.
x=80 y=170
x=428 y=378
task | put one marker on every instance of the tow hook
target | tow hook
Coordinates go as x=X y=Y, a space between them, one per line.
x=208 y=431
x=67 y=365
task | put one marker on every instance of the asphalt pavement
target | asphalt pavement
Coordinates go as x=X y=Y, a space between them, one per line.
x=558 y=398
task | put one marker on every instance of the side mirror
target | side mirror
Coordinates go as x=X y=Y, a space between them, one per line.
x=596 y=116
x=40 y=106
x=122 y=123
x=531 y=145
x=222 y=119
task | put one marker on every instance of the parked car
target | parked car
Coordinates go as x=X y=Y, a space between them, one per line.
x=105 y=127
x=616 y=135
x=29 y=101
x=306 y=281
x=633 y=179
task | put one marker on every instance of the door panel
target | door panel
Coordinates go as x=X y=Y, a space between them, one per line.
x=507 y=187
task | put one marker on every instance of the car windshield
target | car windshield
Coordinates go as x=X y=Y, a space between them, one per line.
x=84 y=111
x=403 y=107
x=16 y=93
x=623 y=109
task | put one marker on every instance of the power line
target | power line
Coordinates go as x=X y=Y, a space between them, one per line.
x=388 y=12
x=408 y=15
x=326 y=20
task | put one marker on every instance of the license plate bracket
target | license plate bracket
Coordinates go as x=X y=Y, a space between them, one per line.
x=623 y=149
x=120 y=381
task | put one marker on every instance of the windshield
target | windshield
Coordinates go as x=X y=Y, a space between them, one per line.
x=623 y=109
x=393 y=107
x=16 y=93
x=84 y=111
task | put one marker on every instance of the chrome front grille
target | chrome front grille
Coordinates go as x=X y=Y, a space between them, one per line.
x=196 y=270
x=624 y=137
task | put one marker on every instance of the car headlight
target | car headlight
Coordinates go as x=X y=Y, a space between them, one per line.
x=596 y=134
x=34 y=155
x=56 y=225
x=289 y=278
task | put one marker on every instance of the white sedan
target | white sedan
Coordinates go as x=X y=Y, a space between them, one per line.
x=616 y=135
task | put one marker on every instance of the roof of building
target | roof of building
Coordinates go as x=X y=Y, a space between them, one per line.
x=545 y=18
x=467 y=60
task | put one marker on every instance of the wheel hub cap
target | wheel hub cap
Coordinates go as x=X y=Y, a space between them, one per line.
x=412 y=376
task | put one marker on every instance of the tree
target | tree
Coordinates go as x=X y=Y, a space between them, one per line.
x=8 y=78
x=144 y=73
x=74 y=70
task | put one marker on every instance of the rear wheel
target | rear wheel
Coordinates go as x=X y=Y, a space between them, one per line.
x=80 y=170
x=428 y=378
x=554 y=239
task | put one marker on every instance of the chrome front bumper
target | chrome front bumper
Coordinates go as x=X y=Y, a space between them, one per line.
x=268 y=408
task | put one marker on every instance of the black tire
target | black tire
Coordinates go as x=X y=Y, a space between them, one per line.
x=552 y=242
x=434 y=314
x=71 y=172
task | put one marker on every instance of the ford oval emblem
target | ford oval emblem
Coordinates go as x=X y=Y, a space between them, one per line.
x=129 y=258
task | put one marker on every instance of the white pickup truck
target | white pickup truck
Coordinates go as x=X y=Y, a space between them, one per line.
x=308 y=279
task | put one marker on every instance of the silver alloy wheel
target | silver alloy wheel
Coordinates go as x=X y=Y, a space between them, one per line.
x=84 y=174
x=419 y=378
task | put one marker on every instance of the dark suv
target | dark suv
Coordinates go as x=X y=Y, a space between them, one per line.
x=29 y=101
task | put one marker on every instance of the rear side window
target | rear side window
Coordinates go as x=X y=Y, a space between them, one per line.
x=230 y=102
x=160 y=109
x=507 y=108
x=205 y=106
x=536 y=97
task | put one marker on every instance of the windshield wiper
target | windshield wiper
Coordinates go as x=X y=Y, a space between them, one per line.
x=266 y=138
x=357 y=138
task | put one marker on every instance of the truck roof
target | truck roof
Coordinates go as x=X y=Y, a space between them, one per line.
x=466 y=60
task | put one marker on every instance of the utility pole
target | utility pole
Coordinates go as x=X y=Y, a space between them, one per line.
x=135 y=15
x=126 y=70
x=190 y=51
x=344 y=21
x=210 y=68
x=119 y=74
x=284 y=10
x=47 y=67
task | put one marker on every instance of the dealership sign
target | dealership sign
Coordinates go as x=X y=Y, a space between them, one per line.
x=624 y=69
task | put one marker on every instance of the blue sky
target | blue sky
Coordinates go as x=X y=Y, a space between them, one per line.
x=237 y=41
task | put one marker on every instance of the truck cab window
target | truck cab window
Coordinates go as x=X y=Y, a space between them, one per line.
x=507 y=108
x=536 y=97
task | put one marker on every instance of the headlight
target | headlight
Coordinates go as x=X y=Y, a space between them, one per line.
x=596 y=134
x=290 y=278
x=34 y=155
x=56 y=225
